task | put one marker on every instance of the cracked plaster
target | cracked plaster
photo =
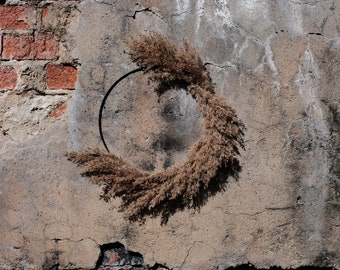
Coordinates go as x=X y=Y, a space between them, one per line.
x=275 y=61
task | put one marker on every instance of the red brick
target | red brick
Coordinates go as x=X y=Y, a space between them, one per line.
x=27 y=46
x=17 y=17
x=17 y=47
x=61 y=77
x=44 y=14
x=46 y=46
x=59 y=111
x=8 y=78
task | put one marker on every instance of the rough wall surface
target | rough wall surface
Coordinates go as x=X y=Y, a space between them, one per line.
x=276 y=62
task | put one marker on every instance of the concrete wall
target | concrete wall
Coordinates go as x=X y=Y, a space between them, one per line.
x=276 y=62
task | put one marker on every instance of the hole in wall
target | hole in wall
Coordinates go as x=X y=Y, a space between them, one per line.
x=51 y=261
x=115 y=254
x=158 y=266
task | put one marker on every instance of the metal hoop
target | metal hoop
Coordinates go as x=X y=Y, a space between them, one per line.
x=102 y=105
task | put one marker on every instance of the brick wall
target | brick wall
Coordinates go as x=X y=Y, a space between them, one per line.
x=34 y=49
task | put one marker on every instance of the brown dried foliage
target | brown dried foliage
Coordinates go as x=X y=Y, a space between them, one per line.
x=211 y=160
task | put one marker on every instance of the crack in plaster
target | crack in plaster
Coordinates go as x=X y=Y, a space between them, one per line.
x=57 y=240
x=190 y=250
x=187 y=255
x=226 y=65
x=251 y=215
x=303 y=3
x=182 y=8
x=107 y=2
x=145 y=10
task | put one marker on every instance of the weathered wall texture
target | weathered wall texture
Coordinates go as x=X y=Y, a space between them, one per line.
x=276 y=62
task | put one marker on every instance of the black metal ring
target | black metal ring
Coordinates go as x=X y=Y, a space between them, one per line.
x=105 y=98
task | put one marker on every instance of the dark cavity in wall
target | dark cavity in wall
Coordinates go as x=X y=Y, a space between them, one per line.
x=52 y=260
x=115 y=254
x=324 y=259
x=252 y=267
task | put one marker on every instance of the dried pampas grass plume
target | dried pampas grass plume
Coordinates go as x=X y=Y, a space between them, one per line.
x=211 y=160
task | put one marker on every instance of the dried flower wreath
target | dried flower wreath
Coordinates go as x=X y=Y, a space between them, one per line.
x=209 y=163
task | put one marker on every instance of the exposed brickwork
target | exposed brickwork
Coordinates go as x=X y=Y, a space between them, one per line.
x=27 y=46
x=60 y=76
x=33 y=32
x=17 y=17
x=44 y=14
x=8 y=78
x=46 y=46
x=59 y=111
